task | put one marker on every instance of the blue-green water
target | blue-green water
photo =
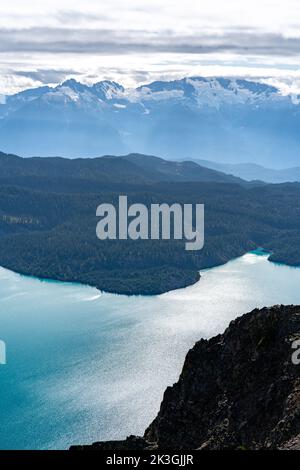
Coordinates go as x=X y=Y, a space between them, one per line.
x=84 y=366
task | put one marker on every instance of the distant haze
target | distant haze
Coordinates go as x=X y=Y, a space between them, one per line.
x=218 y=119
x=253 y=172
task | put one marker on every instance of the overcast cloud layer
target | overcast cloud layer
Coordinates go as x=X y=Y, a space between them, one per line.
x=43 y=42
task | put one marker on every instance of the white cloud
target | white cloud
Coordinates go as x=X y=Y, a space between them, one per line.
x=269 y=15
x=141 y=40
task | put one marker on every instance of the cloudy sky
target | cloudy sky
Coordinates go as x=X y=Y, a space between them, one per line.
x=135 y=41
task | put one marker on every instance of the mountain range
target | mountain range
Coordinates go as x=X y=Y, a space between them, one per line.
x=93 y=174
x=254 y=172
x=219 y=119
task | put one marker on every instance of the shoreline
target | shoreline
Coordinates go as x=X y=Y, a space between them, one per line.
x=260 y=251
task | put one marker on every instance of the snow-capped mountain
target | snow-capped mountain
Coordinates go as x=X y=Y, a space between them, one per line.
x=218 y=119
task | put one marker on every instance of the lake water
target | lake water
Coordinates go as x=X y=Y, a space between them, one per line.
x=84 y=366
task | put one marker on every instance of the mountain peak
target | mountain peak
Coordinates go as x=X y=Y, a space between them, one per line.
x=107 y=89
x=211 y=118
x=73 y=85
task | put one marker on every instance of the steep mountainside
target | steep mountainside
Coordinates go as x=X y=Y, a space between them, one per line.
x=238 y=390
x=216 y=119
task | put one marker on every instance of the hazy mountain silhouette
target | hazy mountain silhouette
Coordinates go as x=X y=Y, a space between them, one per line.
x=223 y=120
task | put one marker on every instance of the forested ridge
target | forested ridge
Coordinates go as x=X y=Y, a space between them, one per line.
x=48 y=224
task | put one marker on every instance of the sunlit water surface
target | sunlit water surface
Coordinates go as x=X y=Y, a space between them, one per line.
x=84 y=366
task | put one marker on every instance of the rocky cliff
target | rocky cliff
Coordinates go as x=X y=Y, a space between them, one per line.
x=238 y=390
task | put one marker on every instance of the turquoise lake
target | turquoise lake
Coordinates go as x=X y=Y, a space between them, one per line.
x=85 y=366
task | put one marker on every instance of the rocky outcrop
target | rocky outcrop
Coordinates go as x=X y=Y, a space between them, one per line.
x=238 y=390
x=134 y=443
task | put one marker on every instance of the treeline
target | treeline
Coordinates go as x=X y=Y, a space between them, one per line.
x=51 y=234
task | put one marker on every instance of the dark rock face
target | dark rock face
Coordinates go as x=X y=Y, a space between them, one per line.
x=134 y=443
x=238 y=390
